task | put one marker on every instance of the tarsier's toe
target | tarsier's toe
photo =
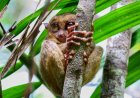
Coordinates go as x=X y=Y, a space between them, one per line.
x=69 y=56
x=72 y=52
x=85 y=56
x=88 y=44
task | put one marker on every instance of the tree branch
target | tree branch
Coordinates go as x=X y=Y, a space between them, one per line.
x=115 y=69
x=73 y=78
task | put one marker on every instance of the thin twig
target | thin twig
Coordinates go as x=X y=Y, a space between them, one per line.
x=7 y=37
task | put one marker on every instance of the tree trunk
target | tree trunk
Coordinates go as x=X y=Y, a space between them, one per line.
x=115 y=69
x=73 y=78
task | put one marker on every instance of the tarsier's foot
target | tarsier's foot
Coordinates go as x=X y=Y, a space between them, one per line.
x=75 y=38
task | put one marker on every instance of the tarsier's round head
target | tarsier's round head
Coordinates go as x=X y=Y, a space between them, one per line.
x=58 y=26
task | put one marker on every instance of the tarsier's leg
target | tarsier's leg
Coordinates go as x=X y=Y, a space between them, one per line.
x=93 y=64
x=52 y=66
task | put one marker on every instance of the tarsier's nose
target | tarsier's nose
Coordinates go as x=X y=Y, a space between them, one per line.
x=62 y=36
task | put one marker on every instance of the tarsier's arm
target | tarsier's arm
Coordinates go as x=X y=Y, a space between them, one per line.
x=56 y=51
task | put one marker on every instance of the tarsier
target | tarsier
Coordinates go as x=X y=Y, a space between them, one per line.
x=57 y=51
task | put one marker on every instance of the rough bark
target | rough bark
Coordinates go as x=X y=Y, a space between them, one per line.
x=73 y=78
x=115 y=69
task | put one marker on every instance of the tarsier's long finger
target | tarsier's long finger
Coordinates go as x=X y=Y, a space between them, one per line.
x=72 y=28
x=77 y=33
x=72 y=43
x=79 y=39
x=80 y=33
x=89 y=34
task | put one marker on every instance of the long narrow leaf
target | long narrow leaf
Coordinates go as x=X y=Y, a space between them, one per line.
x=135 y=38
x=133 y=69
x=100 y=5
x=133 y=76
x=3 y=3
x=70 y=9
x=134 y=62
x=39 y=41
x=64 y=4
x=17 y=66
x=18 y=91
x=117 y=21
x=23 y=23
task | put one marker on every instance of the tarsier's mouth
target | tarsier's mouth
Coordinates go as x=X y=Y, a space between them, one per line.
x=62 y=39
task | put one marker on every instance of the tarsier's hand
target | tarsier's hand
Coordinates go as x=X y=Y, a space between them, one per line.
x=75 y=38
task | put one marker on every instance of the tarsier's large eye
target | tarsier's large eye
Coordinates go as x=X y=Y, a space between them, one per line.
x=55 y=26
x=70 y=24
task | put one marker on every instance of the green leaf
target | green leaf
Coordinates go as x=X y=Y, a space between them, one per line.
x=97 y=92
x=64 y=4
x=103 y=4
x=17 y=66
x=23 y=23
x=134 y=61
x=39 y=41
x=70 y=4
x=18 y=91
x=70 y=9
x=135 y=38
x=117 y=21
x=133 y=77
x=133 y=73
x=3 y=3
x=133 y=69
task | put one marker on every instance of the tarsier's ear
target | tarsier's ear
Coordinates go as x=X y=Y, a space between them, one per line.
x=46 y=25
